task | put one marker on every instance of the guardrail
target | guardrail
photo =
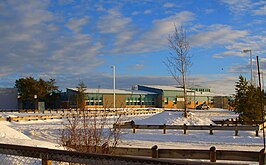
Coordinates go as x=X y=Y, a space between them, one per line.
x=212 y=154
x=233 y=122
x=129 y=156
x=80 y=114
x=185 y=127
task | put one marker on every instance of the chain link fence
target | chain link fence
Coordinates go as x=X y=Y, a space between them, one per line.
x=25 y=155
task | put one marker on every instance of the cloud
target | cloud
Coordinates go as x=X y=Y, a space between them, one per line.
x=156 y=37
x=217 y=34
x=231 y=41
x=115 y=21
x=168 y=5
x=240 y=7
x=165 y=26
x=147 y=11
x=223 y=84
x=137 y=66
x=229 y=53
x=76 y=24
x=33 y=42
x=260 y=11
x=135 y=13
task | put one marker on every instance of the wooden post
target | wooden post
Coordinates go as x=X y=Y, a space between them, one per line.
x=236 y=130
x=45 y=160
x=155 y=153
x=261 y=157
x=164 y=129
x=257 y=131
x=134 y=129
x=213 y=154
x=211 y=131
x=185 y=129
x=133 y=126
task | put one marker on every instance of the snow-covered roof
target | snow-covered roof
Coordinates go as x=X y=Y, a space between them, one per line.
x=165 y=87
x=111 y=91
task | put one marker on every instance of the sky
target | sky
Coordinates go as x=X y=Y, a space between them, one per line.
x=72 y=41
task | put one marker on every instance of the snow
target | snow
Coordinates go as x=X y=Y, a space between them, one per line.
x=193 y=139
x=9 y=135
x=46 y=133
x=174 y=118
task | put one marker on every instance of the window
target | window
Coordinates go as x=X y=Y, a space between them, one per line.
x=165 y=100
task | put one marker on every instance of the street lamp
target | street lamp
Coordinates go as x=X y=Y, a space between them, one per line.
x=35 y=97
x=250 y=53
x=113 y=84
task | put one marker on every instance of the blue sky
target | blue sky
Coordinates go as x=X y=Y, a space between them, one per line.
x=79 y=40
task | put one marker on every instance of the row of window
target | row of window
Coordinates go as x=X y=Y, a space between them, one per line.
x=140 y=103
x=94 y=102
x=201 y=90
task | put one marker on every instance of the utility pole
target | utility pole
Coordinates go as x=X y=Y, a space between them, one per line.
x=261 y=101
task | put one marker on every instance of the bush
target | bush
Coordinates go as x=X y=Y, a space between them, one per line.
x=91 y=132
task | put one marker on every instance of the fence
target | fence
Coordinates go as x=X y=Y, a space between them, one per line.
x=212 y=154
x=73 y=113
x=235 y=121
x=15 y=154
x=185 y=127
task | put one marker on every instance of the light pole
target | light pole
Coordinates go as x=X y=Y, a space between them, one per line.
x=35 y=98
x=114 y=85
x=251 y=66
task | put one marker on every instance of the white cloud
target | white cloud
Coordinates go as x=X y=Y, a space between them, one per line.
x=135 y=13
x=137 y=66
x=260 y=11
x=166 y=26
x=217 y=34
x=147 y=11
x=76 y=24
x=32 y=42
x=113 y=22
x=156 y=37
x=229 y=53
x=169 y=5
x=238 y=6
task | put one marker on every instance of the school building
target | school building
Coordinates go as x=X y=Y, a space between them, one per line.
x=145 y=96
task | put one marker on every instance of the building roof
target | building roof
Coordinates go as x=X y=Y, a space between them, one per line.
x=111 y=91
x=190 y=91
x=165 y=87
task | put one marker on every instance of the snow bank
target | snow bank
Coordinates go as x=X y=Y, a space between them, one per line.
x=8 y=132
x=9 y=135
x=174 y=118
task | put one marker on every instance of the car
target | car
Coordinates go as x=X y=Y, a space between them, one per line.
x=203 y=106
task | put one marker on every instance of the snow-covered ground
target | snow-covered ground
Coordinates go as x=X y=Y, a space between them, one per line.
x=45 y=133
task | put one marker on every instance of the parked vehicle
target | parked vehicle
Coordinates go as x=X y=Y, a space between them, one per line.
x=203 y=106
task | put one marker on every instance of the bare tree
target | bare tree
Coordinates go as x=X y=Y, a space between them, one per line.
x=178 y=62
x=88 y=131
x=91 y=132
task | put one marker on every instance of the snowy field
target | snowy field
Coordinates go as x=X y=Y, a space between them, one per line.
x=46 y=133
